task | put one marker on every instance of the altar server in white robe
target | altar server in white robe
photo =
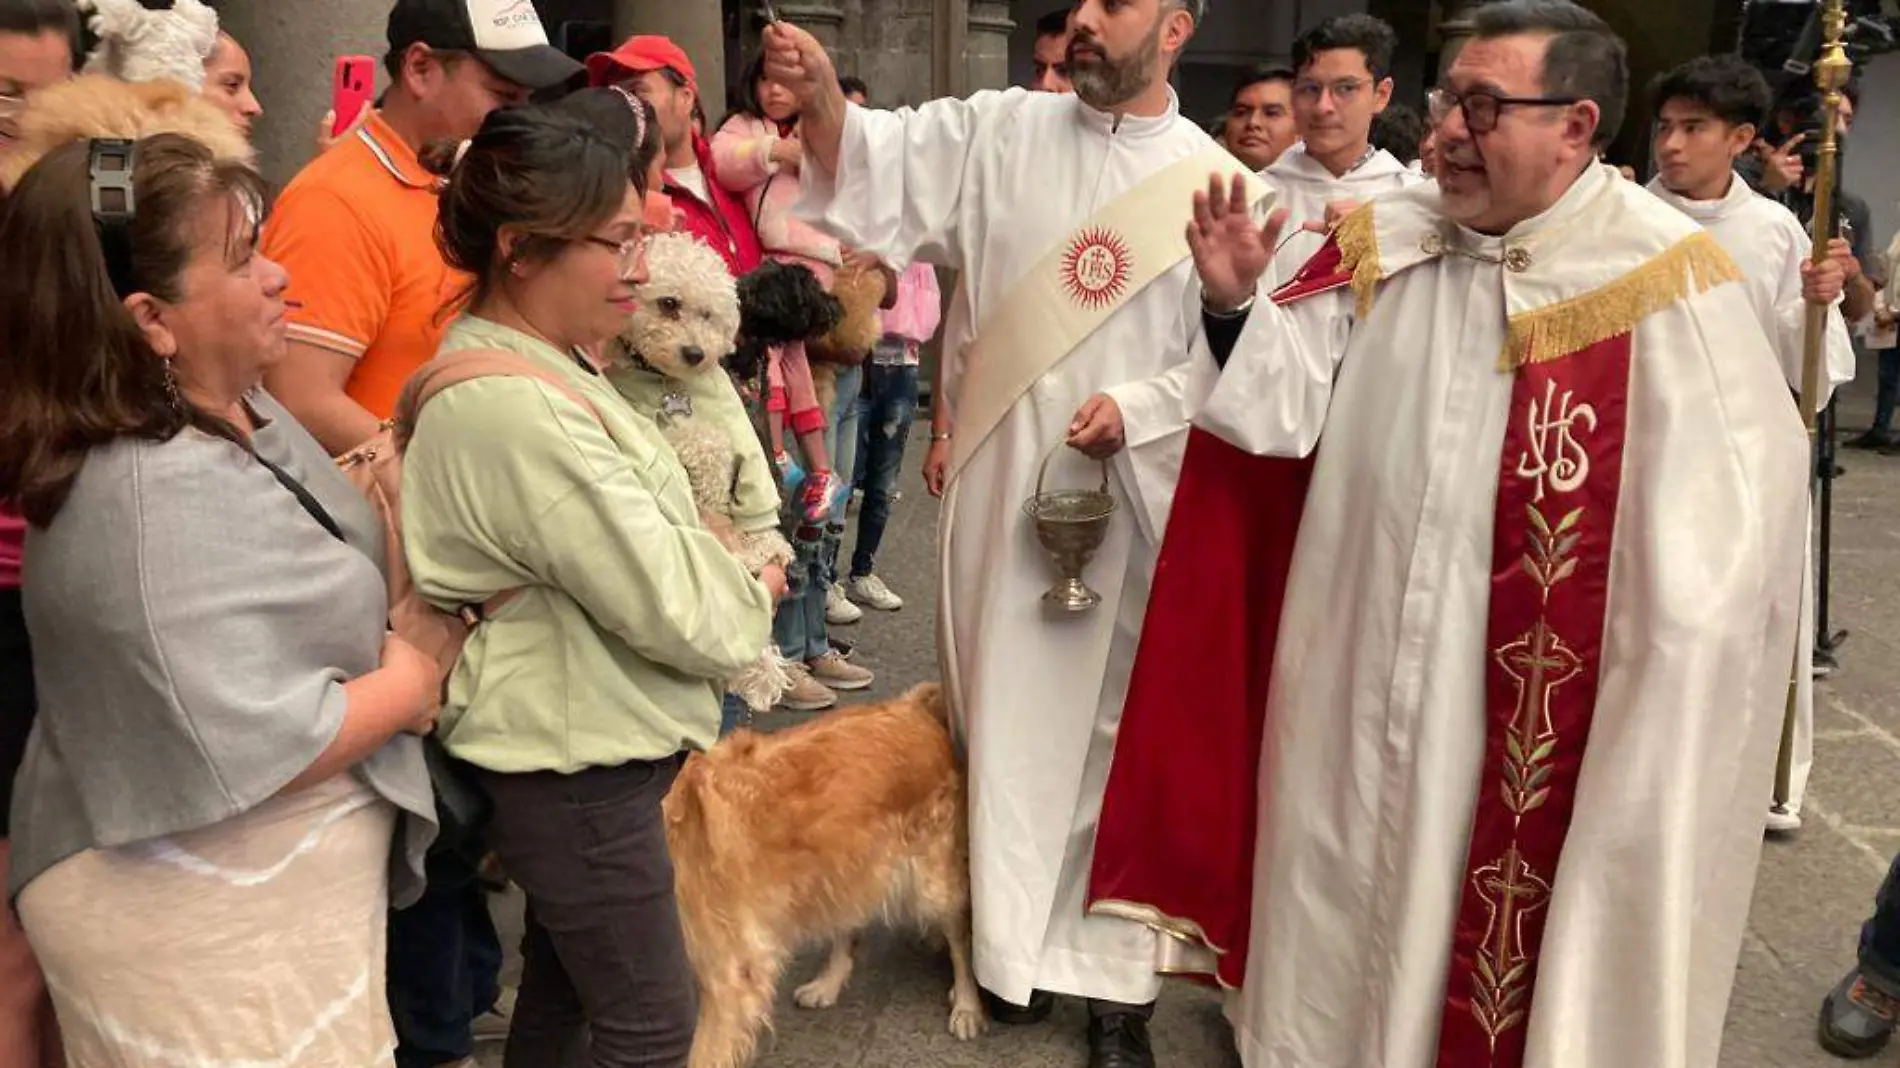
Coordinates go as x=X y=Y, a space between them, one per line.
x=1066 y=217
x=1342 y=81
x=1545 y=587
x=1706 y=111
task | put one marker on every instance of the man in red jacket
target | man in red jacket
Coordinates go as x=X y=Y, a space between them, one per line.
x=659 y=72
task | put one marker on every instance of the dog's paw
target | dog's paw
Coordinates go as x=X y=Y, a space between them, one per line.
x=817 y=994
x=968 y=1021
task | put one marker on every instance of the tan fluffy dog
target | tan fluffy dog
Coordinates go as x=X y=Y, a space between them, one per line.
x=98 y=106
x=860 y=290
x=809 y=835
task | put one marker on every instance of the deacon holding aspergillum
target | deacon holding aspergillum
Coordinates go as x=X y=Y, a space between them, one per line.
x=1066 y=216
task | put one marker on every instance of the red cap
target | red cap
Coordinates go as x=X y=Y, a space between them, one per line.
x=639 y=55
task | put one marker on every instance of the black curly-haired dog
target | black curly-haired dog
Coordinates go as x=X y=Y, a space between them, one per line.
x=779 y=303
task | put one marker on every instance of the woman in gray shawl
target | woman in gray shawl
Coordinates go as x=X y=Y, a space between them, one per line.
x=222 y=792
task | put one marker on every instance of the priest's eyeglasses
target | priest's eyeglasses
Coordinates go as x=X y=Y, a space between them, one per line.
x=1481 y=106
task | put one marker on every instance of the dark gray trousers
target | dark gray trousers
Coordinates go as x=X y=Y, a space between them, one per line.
x=605 y=980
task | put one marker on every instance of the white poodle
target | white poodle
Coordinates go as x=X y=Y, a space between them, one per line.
x=667 y=363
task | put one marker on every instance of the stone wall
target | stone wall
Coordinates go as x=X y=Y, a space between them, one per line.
x=891 y=43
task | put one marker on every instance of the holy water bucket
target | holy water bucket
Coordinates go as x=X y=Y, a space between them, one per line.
x=1071 y=525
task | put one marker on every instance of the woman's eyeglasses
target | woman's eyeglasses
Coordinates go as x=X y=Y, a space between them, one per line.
x=1481 y=106
x=628 y=252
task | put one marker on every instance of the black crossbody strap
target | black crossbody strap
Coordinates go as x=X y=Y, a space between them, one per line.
x=304 y=497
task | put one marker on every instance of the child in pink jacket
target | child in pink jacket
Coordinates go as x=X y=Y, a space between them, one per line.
x=756 y=154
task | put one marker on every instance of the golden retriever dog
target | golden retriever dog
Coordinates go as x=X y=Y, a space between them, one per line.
x=809 y=835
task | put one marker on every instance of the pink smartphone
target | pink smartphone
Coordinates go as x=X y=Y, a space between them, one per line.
x=352 y=90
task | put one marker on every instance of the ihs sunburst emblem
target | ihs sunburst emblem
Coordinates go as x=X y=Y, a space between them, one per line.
x=1096 y=268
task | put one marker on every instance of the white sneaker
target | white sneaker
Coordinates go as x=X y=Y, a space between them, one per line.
x=1783 y=822
x=839 y=611
x=871 y=592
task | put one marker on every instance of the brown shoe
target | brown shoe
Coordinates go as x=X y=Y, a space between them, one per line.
x=840 y=674
x=807 y=694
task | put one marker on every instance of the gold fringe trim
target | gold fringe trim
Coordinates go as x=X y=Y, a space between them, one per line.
x=1359 y=253
x=1696 y=264
x=1181 y=930
x=1186 y=932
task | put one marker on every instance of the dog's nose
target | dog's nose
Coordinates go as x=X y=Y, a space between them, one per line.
x=693 y=355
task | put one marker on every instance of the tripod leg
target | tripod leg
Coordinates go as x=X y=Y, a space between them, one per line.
x=1825 y=641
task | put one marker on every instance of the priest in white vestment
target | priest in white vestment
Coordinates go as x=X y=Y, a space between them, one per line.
x=1706 y=111
x=1342 y=81
x=1066 y=217
x=1521 y=713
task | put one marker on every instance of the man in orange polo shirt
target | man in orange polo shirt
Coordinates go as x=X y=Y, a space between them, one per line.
x=356 y=228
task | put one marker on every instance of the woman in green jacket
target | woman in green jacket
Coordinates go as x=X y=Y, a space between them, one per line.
x=575 y=701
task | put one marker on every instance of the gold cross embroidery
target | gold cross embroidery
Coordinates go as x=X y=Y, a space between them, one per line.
x=1511 y=890
x=1539 y=663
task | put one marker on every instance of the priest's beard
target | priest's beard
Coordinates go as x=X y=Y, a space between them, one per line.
x=1105 y=83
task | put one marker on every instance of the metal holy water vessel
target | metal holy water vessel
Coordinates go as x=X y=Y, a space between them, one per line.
x=1071 y=525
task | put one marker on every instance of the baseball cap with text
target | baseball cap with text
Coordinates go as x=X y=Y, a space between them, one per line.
x=506 y=35
x=647 y=52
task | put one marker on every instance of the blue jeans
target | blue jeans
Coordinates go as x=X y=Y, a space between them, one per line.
x=799 y=625
x=842 y=437
x=1887 y=389
x=886 y=410
x=444 y=961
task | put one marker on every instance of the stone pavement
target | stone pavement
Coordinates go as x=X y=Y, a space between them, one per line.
x=1813 y=891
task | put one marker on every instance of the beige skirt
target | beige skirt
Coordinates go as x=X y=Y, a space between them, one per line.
x=257 y=943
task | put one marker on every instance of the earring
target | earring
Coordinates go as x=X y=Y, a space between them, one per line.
x=172 y=395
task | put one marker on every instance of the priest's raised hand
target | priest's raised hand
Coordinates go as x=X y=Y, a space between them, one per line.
x=1231 y=252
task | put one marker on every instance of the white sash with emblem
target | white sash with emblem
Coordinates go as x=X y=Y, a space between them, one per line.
x=1078 y=285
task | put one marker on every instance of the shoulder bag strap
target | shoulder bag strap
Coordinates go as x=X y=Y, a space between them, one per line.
x=304 y=497
x=466 y=365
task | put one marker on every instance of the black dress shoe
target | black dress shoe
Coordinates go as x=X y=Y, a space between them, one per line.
x=1041 y=1003
x=1120 y=1040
